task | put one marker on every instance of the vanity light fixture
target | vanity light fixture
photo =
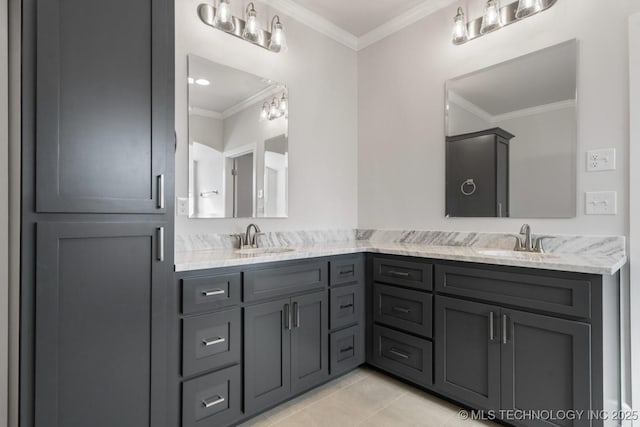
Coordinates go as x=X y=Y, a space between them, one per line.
x=248 y=29
x=460 y=33
x=495 y=17
x=491 y=20
x=278 y=107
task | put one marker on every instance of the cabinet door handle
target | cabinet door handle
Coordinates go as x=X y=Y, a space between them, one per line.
x=214 y=341
x=344 y=350
x=345 y=272
x=287 y=317
x=208 y=403
x=342 y=307
x=402 y=310
x=296 y=315
x=399 y=273
x=160 y=239
x=505 y=329
x=491 y=328
x=398 y=353
x=213 y=292
x=161 y=191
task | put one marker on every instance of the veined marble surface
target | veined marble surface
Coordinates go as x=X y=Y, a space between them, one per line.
x=595 y=255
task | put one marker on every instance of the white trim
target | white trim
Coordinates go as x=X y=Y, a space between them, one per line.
x=240 y=151
x=539 y=109
x=195 y=111
x=402 y=21
x=314 y=21
x=634 y=205
x=253 y=99
x=465 y=104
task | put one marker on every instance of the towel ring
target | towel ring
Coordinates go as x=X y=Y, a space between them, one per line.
x=468 y=182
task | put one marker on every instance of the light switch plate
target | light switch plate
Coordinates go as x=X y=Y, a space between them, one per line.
x=601 y=160
x=182 y=206
x=601 y=203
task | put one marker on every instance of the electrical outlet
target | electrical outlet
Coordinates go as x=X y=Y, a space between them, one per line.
x=601 y=203
x=601 y=160
x=182 y=206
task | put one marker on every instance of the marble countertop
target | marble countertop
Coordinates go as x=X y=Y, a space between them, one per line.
x=593 y=264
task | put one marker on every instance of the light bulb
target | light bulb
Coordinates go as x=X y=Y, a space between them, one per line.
x=277 y=42
x=284 y=103
x=460 y=33
x=491 y=20
x=203 y=82
x=528 y=7
x=252 y=31
x=264 y=113
x=224 y=19
x=274 y=112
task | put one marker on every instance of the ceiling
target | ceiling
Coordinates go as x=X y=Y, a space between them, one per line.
x=359 y=16
x=541 y=78
x=229 y=86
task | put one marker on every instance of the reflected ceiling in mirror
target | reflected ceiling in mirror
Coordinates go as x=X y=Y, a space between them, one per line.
x=238 y=143
x=511 y=138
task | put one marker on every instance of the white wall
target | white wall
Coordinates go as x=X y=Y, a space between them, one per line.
x=4 y=212
x=321 y=76
x=401 y=112
x=634 y=214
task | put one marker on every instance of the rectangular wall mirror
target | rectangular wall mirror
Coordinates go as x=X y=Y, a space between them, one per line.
x=511 y=138
x=238 y=143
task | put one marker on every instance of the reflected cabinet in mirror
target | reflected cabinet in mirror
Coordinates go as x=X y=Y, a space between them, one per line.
x=238 y=143
x=511 y=138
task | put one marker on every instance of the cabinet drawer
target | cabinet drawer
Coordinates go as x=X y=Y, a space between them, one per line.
x=200 y=294
x=403 y=355
x=347 y=349
x=403 y=273
x=212 y=400
x=551 y=292
x=346 y=306
x=347 y=269
x=211 y=341
x=282 y=281
x=404 y=309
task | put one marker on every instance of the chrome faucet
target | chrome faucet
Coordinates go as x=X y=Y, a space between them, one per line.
x=526 y=243
x=248 y=240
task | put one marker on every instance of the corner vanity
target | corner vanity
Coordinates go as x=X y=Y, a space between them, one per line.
x=539 y=333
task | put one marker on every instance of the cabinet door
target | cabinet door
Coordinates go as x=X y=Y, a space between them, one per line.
x=546 y=366
x=468 y=352
x=267 y=354
x=104 y=116
x=309 y=341
x=100 y=326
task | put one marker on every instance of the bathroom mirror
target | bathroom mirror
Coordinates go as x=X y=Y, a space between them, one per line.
x=238 y=143
x=511 y=138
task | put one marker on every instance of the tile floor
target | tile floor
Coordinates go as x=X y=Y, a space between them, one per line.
x=364 y=398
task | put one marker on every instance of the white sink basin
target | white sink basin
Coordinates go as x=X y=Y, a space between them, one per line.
x=500 y=253
x=263 y=251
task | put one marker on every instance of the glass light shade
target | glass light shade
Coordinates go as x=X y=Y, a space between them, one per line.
x=274 y=112
x=284 y=104
x=460 y=32
x=252 y=31
x=264 y=113
x=491 y=20
x=224 y=18
x=528 y=7
x=278 y=39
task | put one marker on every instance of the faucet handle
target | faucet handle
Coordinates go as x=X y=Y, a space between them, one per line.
x=239 y=240
x=255 y=241
x=539 y=245
x=519 y=244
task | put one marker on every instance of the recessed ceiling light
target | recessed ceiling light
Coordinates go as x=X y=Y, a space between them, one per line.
x=203 y=82
x=191 y=80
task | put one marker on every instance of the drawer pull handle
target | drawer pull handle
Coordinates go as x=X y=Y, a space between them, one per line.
x=505 y=329
x=213 y=292
x=342 y=307
x=344 y=350
x=402 y=310
x=210 y=342
x=296 y=314
x=399 y=273
x=345 y=272
x=398 y=353
x=492 y=335
x=208 y=403
x=287 y=317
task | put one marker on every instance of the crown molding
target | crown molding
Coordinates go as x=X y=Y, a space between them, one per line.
x=314 y=21
x=402 y=21
x=455 y=98
x=253 y=99
x=554 y=106
x=195 y=111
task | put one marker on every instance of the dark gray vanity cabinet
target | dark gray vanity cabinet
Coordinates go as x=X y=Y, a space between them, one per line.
x=478 y=174
x=97 y=177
